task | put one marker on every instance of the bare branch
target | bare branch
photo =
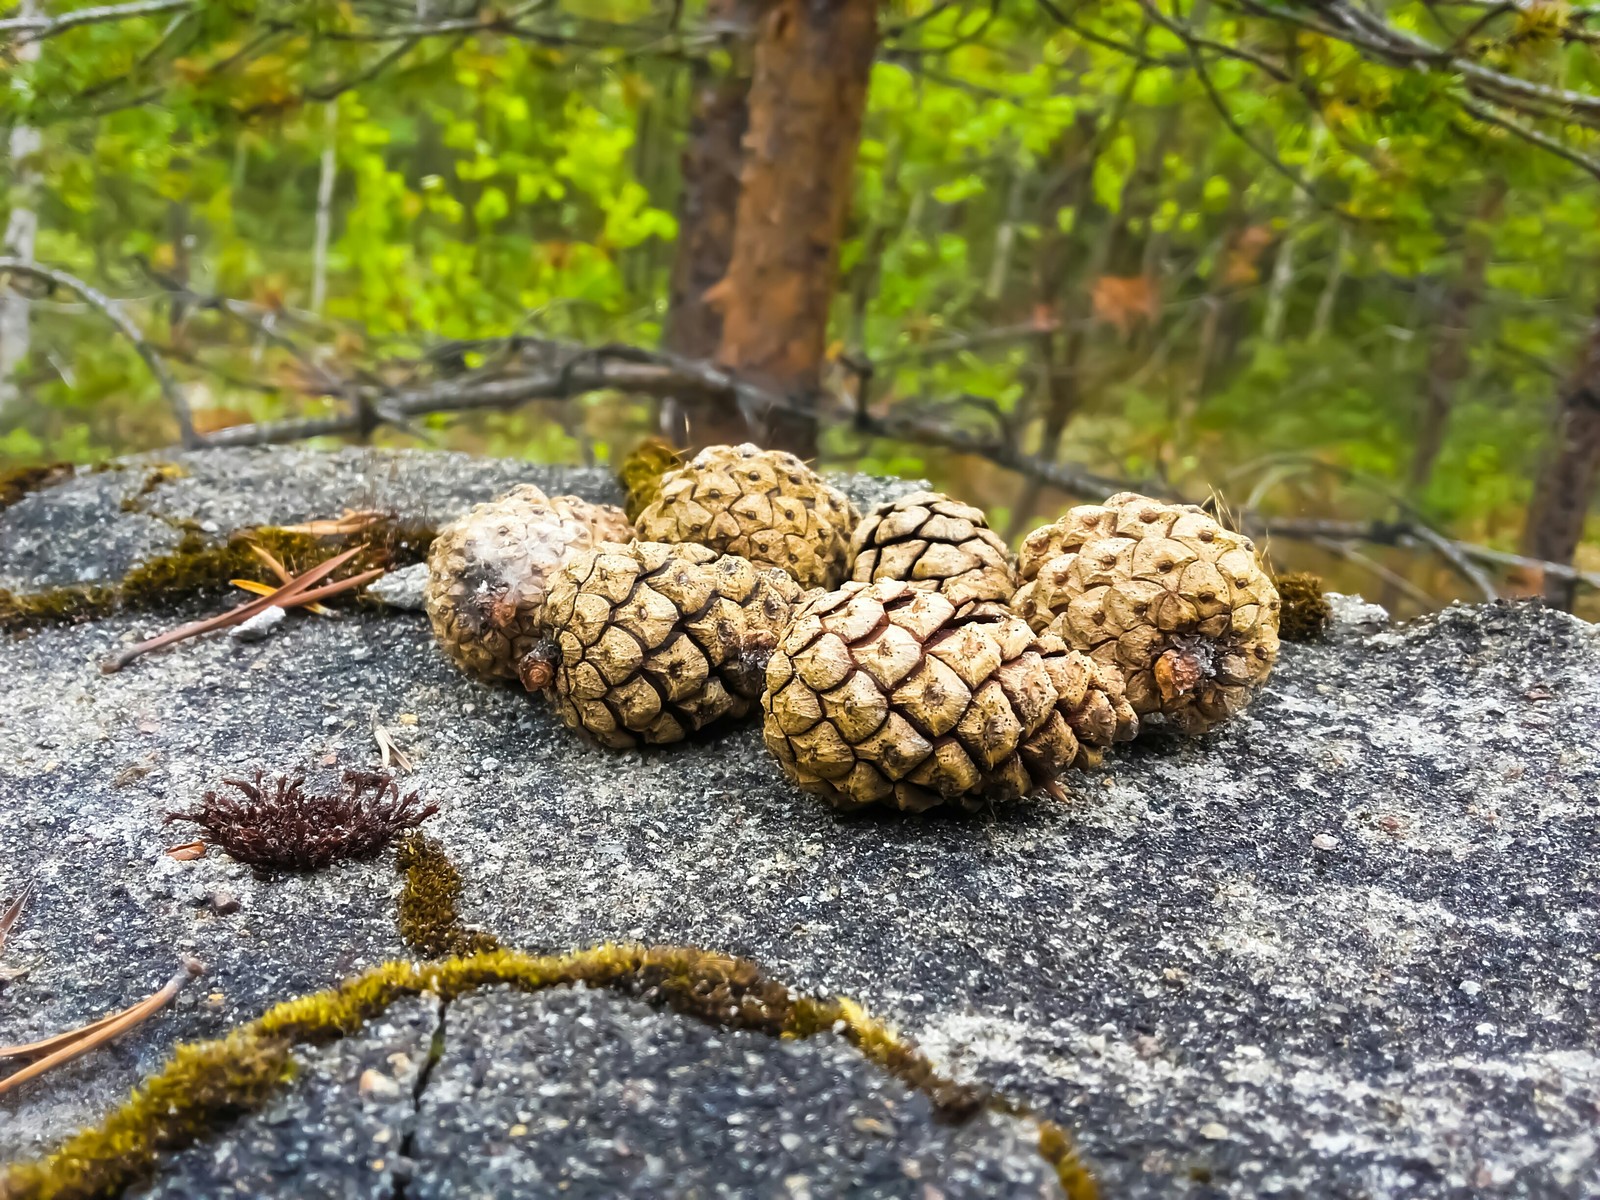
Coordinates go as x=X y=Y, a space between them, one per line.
x=40 y=27
x=113 y=313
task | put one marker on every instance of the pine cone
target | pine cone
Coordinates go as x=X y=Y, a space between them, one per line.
x=1179 y=604
x=654 y=641
x=488 y=573
x=764 y=505
x=880 y=693
x=932 y=541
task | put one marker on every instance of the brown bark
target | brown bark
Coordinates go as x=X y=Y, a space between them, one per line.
x=1449 y=355
x=1566 y=484
x=808 y=94
x=712 y=160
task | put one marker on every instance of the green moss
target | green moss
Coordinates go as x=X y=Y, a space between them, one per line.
x=641 y=472
x=208 y=1084
x=202 y=1086
x=428 y=919
x=154 y=477
x=20 y=481
x=1057 y=1149
x=201 y=566
x=1306 y=612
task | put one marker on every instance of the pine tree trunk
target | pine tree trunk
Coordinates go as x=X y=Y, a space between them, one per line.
x=1449 y=357
x=712 y=159
x=1566 y=484
x=808 y=94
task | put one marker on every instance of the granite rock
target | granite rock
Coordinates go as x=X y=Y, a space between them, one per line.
x=1345 y=946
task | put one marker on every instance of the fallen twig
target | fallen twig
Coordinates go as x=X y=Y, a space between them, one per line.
x=290 y=595
x=63 y=1048
x=108 y=308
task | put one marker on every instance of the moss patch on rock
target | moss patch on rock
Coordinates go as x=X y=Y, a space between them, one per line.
x=1306 y=612
x=200 y=565
x=20 y=481
x=210 y=1083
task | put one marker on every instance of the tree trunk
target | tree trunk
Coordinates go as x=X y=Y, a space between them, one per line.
x=21 y=227
x=327 y=173
x=1277 y=308
x=808 y=94
x=1566 y=483
x=1322 y=321
x=712 y=158
x=1449 y=356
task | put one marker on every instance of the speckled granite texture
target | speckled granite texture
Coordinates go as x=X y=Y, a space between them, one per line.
x=1347 y=946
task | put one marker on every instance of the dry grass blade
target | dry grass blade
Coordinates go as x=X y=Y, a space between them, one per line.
x=56 y=1041
x=78 y=1042
x=13 y=913
x=388 y=749
x=283 y=574
x=256 y=587
x=300 y=591
x=353 y=521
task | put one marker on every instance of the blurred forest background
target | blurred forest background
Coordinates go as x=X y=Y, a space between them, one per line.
x=1333 y=262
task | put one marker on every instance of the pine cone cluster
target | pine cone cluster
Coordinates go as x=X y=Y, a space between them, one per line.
x=943 y=672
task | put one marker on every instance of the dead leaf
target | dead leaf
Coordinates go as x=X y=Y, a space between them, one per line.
x=187 y=852
x=1240 y=267
x=210 y=420
x=1124 y=301
x=389 y=750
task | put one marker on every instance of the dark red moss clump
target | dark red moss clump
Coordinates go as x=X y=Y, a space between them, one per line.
x=279 y=826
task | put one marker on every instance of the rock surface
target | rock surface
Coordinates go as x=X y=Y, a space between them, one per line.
x=1346 y=946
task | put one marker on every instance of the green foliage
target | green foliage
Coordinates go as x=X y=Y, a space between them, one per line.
x=1084 y=187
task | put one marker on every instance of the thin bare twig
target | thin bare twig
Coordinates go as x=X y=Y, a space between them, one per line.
x=40 y=27
x=112 y=312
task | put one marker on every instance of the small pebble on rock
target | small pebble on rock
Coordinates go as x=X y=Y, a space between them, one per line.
x=259 y=627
